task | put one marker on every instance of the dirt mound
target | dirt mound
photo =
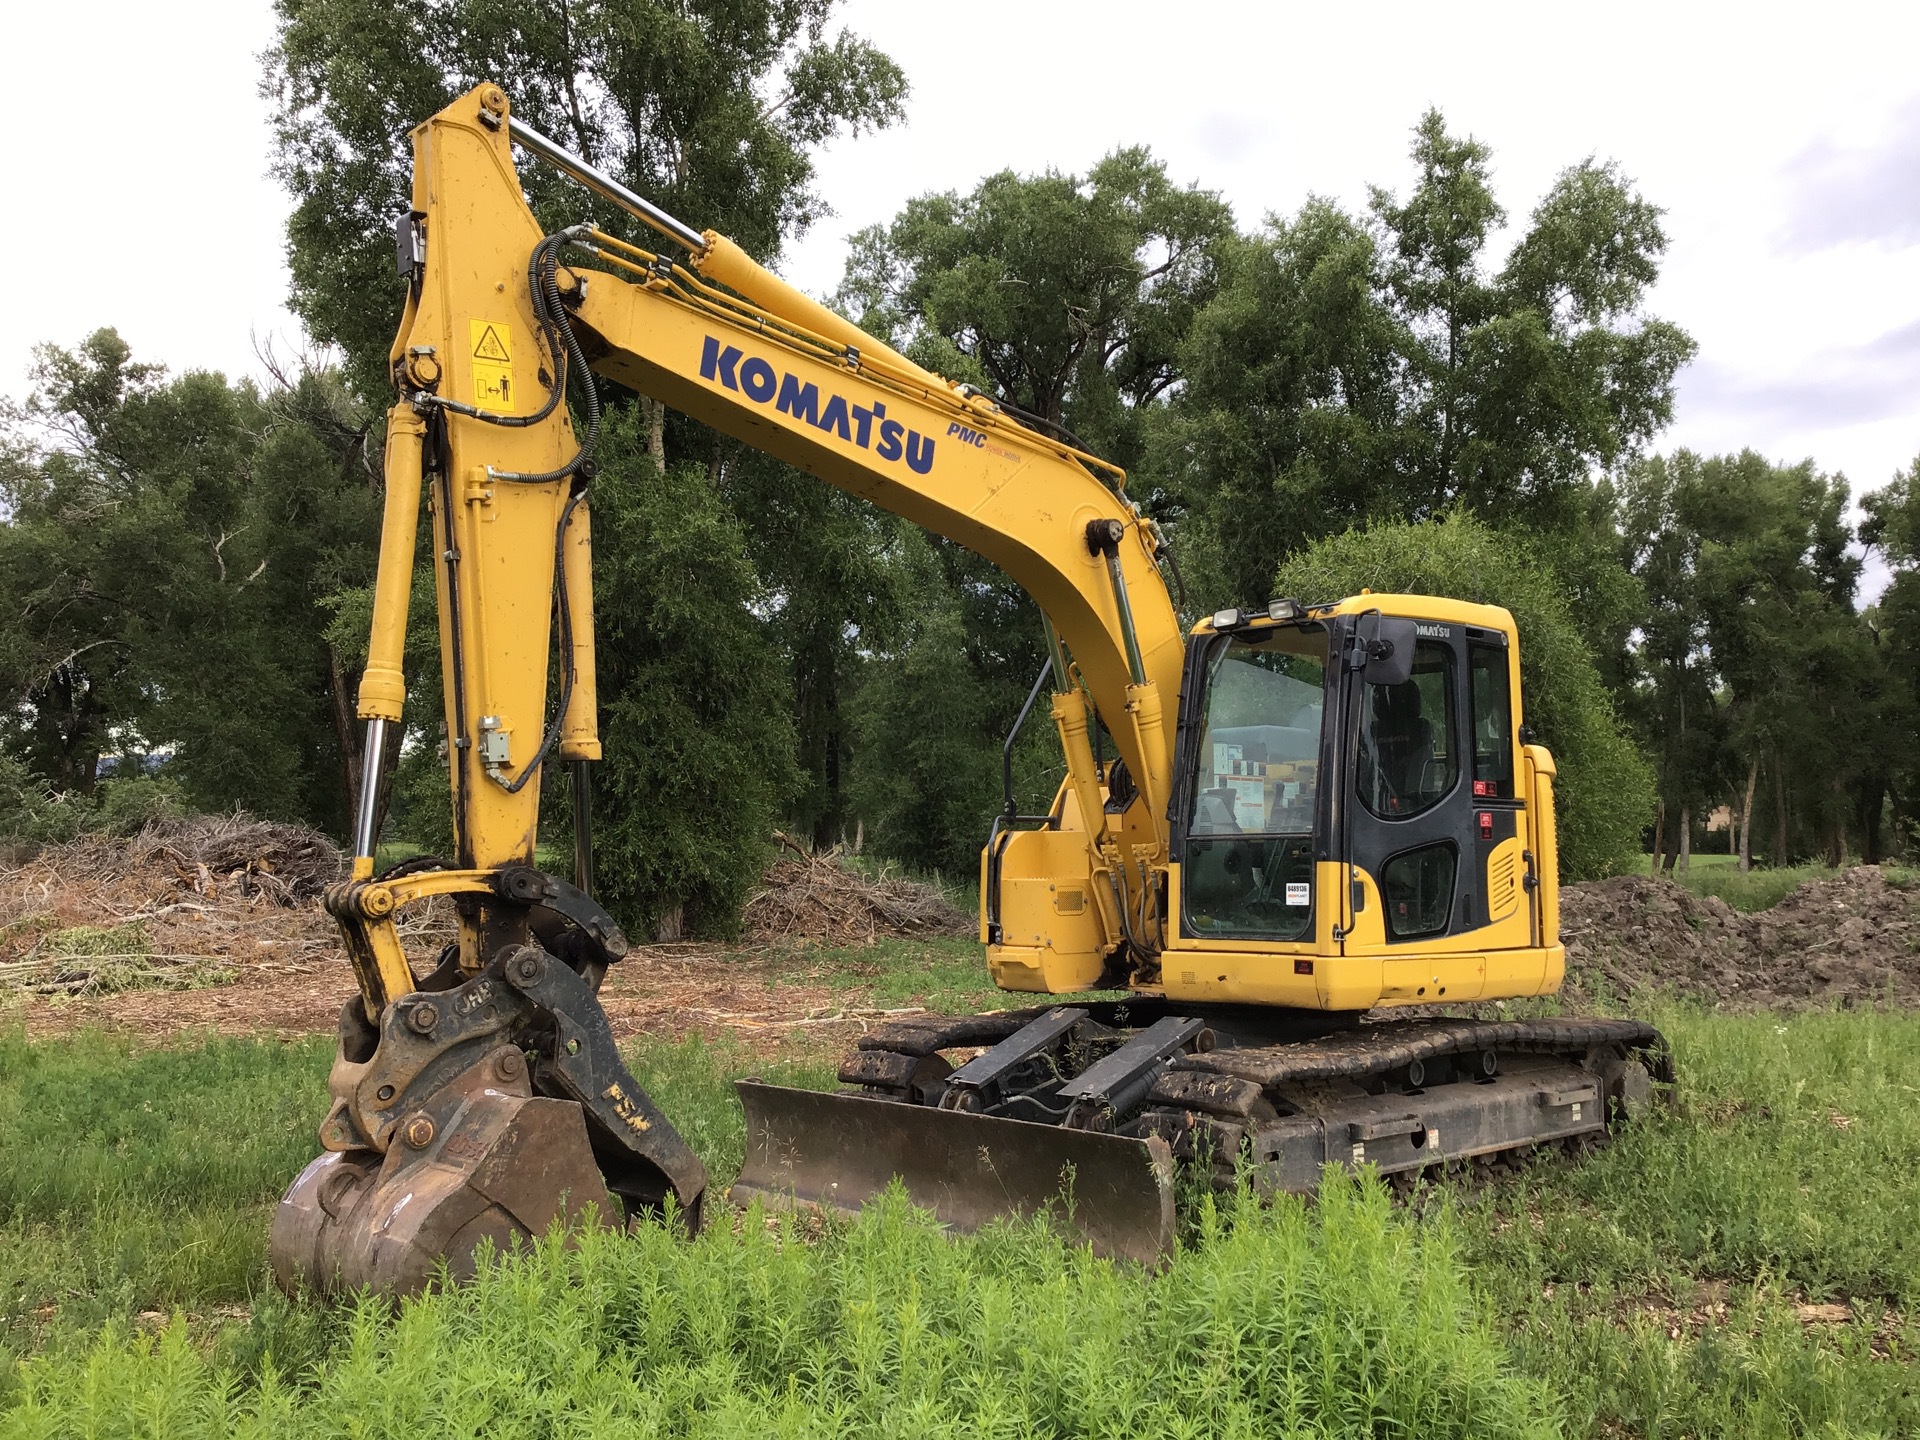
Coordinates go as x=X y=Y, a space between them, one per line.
x=818 y=898
x=1851 y=940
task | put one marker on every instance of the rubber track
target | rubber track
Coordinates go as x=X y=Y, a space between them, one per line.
x=924 y=1034
x=1376 y=1049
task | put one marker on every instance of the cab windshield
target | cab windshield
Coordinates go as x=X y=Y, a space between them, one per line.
x=1248 y=867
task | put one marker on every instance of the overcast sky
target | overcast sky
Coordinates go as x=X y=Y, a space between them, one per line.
x=1784 y=144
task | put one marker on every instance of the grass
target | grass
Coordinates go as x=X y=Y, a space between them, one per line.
x=1760 y=888
x=1661 y=1289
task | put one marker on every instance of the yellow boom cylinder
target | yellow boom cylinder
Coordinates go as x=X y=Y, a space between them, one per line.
x=726 y=262
x=383 y=688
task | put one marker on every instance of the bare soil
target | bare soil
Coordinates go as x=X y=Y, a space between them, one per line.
x=1851 y=940
x=224 y=920
x=215 y=924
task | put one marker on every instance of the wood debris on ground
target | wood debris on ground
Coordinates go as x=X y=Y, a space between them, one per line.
x=818 y=898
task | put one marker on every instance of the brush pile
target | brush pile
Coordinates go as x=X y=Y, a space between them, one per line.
x=817 y=898
x=213 y=856
x=182 y=905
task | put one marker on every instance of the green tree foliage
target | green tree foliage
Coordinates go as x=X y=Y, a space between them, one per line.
x=833 y=593
x=694 y=713
x=164 y=547
x=1068 y=296
x=1892 y=529
x=711 y=108
x=1352 y=368
x=1751 y=577
x=1604 y=789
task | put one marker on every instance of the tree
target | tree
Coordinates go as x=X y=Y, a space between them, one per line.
x=1892 y=528
x=1604 y=789
x=1288 y=426
x=713 y=109
x=1067 y=296
x=694 y=720
x=164 y=547
x=1354 y=369
x=1751 y=577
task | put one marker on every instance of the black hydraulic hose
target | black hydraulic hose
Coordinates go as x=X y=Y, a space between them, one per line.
x=1006 y=751
x=563 y=347
x=567 y=667
x=414 y=865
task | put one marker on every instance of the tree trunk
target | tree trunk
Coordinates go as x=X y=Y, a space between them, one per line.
x=1659 y=840
x=343 y=730
x=1779 y=811
x=656 y=433
x=1872 y=800
x=671 y=925
x=1746 y=817
x=1686 y=838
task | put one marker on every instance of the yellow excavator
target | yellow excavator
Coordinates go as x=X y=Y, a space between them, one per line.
x=1318 y=822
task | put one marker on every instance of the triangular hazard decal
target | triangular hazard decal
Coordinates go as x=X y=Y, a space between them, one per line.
x=490 y=347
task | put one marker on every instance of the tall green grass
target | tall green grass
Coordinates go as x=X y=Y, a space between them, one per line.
x=1344 y=1319
x=140 y=1178
x=1649 y=1292
x=1762 y=889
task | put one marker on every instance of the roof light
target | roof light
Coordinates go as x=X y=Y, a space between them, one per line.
x=1227 y=619
x=1286 y=610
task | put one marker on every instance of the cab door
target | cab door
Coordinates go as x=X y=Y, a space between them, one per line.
x=1410 y=821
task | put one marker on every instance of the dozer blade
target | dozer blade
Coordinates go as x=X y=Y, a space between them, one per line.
x=838 y=1151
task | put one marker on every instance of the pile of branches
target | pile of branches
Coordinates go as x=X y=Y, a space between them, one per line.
x=89 y=960
x=218 y=856
x=820 y=899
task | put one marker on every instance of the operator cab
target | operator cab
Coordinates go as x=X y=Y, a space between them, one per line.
x=1384 y=743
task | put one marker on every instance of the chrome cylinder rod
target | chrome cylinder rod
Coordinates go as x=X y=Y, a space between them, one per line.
x=365 y=821
x=604 y=185
x=1136 y=666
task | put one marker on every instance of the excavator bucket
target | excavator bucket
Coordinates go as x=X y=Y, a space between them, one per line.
x=808 y=1148
x=477 y=1115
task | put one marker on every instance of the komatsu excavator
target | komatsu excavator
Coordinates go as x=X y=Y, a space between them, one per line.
x=1317 y=815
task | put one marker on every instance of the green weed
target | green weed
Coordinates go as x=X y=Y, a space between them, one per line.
x=1762 y=889
x=1650 y=1292
x=1342 y=1319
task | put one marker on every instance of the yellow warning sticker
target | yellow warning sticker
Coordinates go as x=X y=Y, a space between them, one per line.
x=492 y=346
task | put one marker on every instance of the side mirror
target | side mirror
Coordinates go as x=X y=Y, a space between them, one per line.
x=1389 y=643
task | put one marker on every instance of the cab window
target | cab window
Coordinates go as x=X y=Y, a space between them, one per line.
x=1492 y=722
x=1409 y=752
x=1259 y=759
x=1247 y=868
